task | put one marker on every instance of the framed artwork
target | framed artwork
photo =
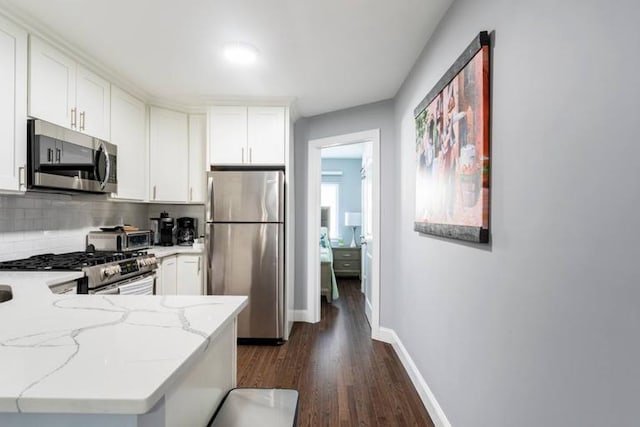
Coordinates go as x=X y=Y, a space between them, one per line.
x=452 y=150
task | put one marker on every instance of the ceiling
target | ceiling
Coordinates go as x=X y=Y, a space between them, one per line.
x=350 y=151
x=324 y=55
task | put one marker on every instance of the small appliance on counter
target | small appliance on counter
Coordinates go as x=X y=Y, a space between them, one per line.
x=119 y=239
x=167 y=229
x=155 y=230
x=186 y=232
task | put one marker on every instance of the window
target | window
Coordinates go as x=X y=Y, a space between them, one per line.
x=329 y=198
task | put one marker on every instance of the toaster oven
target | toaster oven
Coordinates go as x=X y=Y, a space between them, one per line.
x=120 y=241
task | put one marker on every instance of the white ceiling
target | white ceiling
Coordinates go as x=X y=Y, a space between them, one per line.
x=351 y=151
x=326 y=55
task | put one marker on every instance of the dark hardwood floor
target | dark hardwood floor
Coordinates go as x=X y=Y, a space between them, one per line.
x=344 y=377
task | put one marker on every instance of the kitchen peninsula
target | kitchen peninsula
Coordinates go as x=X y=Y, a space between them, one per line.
x=112 y=360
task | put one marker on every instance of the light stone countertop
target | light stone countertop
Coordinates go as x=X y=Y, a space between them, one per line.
x=165 y=251
x=109 y=354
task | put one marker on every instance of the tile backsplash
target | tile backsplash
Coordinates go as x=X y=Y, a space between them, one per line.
x=38 y=223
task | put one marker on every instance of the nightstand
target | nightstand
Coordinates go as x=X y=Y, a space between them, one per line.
x=346 y=261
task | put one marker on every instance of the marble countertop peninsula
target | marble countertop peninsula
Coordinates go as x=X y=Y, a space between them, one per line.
x=101 y=354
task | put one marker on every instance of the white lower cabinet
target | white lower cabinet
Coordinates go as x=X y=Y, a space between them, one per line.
x=166 y=281
x=180 y=275
x=190 y=275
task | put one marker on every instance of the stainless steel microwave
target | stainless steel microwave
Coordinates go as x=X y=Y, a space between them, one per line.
x=60 y=158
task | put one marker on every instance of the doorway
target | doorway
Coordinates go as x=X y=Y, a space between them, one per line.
x=369 y=233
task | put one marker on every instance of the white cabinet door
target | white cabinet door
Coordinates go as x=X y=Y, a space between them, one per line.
x=93 y=100
x=190 y=274
x=197 y=157
x=52 y=85
x=13 y=105
x=168 y=275
x=128 y=130
x=266 y=135
x=169 y=155
x=228 y=135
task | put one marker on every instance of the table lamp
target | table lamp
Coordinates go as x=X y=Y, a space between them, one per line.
x=353 y=220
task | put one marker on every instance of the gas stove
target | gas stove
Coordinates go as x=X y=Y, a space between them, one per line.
x=100 y=268
x=72 y=261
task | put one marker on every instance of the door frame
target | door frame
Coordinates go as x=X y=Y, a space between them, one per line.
x=314 y=179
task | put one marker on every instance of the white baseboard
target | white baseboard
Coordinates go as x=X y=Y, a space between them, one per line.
x=428 y=399
x=368 y=310
x=302 y=316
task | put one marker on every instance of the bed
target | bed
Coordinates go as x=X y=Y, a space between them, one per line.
x=328 y=284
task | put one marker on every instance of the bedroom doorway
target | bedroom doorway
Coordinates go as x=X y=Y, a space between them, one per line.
x=351 y=213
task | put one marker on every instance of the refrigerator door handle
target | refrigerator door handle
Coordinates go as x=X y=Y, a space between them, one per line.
x=208 y=238
x=210 y=201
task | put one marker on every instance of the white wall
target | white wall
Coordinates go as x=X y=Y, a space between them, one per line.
x=542 y=327
x=378 y=115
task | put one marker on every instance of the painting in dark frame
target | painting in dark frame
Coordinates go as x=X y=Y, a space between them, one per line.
x=452 y=150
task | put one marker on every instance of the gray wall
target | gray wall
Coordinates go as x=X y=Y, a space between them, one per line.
x=542 y=327
x=378 y=115
x=349 y=197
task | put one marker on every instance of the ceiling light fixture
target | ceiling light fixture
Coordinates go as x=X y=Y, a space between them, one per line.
x=240 y=53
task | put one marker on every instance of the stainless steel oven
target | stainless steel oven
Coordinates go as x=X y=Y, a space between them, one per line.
x=139 y=285
x=59 y=158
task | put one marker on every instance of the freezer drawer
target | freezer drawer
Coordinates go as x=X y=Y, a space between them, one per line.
x=248 y=259
x=245 y=196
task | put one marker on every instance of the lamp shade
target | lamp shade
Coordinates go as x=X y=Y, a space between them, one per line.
x=352 y=219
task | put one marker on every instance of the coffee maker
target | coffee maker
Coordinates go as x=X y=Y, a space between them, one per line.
x=186 y=231
x=167 y=229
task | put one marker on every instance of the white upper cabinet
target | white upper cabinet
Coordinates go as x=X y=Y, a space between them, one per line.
x=93 y=99
x=168 y=155
x=228 y=135
x=52 y=85
x=128 y=132
x=197 y=157
x=13 y=106
x=247 y=135
x=65 y=93
x=265 y=135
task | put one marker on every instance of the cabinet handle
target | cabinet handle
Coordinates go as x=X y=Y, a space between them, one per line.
x=346 y=264
x=242 y=154
x=191 y=194
x=82 y=117
x=199 y=265
x=154 y=192
x=21 y=176
x=73 y=118
x=346 y=255
x=250 y=153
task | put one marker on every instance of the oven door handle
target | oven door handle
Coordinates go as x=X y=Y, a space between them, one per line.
x=115 y=290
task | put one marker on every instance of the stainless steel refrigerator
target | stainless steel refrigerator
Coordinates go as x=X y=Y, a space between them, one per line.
x=245 y=247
